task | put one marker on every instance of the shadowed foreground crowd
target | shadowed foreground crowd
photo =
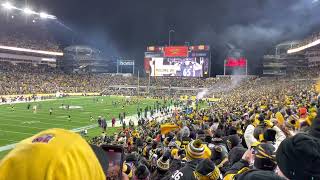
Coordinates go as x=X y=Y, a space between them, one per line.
x=260 y=129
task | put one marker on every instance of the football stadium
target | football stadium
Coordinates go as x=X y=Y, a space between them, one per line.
x=146 y=91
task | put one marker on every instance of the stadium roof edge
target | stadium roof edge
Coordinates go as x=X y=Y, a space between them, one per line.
x=288 y=43
x=80 y=48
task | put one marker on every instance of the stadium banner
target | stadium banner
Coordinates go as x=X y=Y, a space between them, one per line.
x=176 y=51
x=233 y=62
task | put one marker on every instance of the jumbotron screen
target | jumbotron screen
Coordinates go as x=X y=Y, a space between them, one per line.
x=181 y=61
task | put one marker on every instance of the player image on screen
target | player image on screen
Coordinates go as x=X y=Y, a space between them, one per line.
x=190 y=68
x=186 y=67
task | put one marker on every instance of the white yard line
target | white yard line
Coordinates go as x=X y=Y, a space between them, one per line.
x=7 y=147
x=47 y=119
x=32 y=127
x=1 y=130
x=54 y=124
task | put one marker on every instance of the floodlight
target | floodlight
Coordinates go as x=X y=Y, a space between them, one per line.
x=7 y=5
x=31 y=50
x=28 y=11
x=43 y=15
x=52 y=17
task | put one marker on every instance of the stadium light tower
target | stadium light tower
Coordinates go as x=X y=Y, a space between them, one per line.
x=7 y=6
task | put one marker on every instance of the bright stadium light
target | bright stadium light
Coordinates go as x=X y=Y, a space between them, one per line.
x=31 y=50
x=28 y=11
x=52 y=17
x=44 y=15
x=7 y=6
x=294 y=50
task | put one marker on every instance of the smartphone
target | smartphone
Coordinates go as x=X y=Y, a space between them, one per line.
x=116 y=156
x=253 y=151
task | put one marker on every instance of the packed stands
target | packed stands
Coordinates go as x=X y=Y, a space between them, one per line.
x=257 y=130
x=17 y=31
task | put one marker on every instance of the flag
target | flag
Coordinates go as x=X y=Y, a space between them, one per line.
x=176 y=51
x=234 y=62
x=166 y=128
x=280 y=118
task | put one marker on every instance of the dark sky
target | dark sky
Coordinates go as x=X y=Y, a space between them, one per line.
x=125 y=27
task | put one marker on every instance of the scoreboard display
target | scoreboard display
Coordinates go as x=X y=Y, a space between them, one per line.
x=235 y=63
x=183 y=61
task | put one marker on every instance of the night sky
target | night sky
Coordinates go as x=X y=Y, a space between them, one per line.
x=124 y=28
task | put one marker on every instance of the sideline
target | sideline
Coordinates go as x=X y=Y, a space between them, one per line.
x=40 y=100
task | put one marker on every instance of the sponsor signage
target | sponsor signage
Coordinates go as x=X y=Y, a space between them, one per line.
x=126 y=63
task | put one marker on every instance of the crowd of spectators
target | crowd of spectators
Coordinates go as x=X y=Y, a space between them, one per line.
x=19 y=33
x=308 y=40
x=29 y=79
x=261 y=128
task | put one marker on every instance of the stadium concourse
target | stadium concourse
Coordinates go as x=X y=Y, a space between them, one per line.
x=261 y=128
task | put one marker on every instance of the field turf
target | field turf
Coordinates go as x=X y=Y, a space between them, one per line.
x=20 y=122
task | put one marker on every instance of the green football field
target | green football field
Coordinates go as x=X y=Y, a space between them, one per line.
x=20 y=122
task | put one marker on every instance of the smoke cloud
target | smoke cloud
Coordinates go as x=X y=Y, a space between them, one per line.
x=222 y=87
x=126 y=28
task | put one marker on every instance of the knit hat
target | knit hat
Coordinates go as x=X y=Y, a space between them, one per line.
x=127 y=170
x=208 y=139
x=166 y=141
x=235 y=154
x=259 y=175
x=232 y=130
x=194 y=150
x=218 y=134
x=131 y=158
x=265 y=157
x=201 y=135
x=141 y=172
x=298 y=157
x=269 y=135
x=174 y=152
x=233 y=140
x=54 y=154
x=260 y=129
x=206 y=169
x=163 y=163
x=149 y=140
